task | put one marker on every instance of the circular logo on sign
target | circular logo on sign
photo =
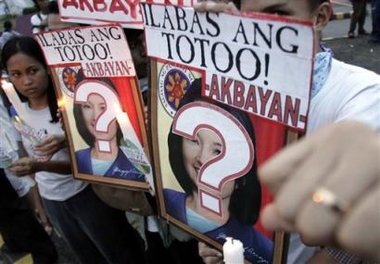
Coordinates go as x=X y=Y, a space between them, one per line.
x=173 y=82
x=68 y=79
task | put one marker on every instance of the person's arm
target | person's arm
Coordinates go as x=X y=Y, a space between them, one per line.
x=26 y=187
x=34 y=201
x=27 y=165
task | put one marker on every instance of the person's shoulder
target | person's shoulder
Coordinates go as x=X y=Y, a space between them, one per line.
x=347 y=68
x=82 y=152
x=346 y=73
x=173 y=195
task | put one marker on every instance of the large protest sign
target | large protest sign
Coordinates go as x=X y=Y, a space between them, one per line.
x=225 y=91
x=100 y=103
x=244 y=58
x=125 y=12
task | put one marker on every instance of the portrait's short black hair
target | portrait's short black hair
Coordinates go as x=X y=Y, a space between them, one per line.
x=246 y=198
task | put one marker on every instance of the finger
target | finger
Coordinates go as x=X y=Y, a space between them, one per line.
x=213 y=260
x=208 y=254
x=360 y=229
x=200 y=6
x=281 y=166
x=206 y=251
x=46 y=140
x=232 y=8
x=304 y=177
x=272 y=220
x=317 y=222
x=211 y=6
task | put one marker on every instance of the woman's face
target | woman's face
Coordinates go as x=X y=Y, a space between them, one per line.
x=293 y=8
x=28 y=75
x=92 y=111
x=206 y=145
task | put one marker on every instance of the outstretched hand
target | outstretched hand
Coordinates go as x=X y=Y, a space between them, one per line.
x=327 y=188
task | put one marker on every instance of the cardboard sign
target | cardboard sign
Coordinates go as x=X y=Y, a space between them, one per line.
x=101 y=104
x=221 y=103
x=125 y=12
x=250 y=62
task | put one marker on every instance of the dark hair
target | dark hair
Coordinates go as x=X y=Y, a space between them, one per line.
x=30 y=47
x=7 y=25
x=79 y=121
x=37 y=5
x=53 y=7
x=246 y=198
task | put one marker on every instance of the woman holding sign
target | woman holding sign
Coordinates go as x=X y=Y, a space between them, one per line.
x=96 y=232
x=240 y=194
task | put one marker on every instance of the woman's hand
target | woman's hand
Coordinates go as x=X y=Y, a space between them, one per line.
x=209 y=255
x=23 y=166
x=50 y=145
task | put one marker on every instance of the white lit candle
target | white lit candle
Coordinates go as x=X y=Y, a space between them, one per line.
x=13 y=98
x=233 y=251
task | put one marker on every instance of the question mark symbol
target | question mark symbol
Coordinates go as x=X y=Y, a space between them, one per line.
x=87 y=88
x=237 y=155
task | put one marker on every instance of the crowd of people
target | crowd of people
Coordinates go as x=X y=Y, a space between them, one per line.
x=324 y=185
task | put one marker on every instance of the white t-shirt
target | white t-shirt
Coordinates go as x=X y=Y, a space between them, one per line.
x=36 y=21
x=21 y=185
x=52 y=186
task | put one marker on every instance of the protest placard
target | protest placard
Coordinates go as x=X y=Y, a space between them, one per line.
x=100 y=103
x=125 y=12
x=225 y=90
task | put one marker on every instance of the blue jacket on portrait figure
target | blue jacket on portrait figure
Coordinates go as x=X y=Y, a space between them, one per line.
x=257 y=247
x=121 y=168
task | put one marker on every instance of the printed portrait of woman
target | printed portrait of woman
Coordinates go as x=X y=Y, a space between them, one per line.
x=113 y=161
x=240 y=198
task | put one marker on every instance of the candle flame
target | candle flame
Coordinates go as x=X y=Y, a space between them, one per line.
x=61 y=103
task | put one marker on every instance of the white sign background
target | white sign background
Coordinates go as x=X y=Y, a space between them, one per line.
x=101 y=50
x=269 y=58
